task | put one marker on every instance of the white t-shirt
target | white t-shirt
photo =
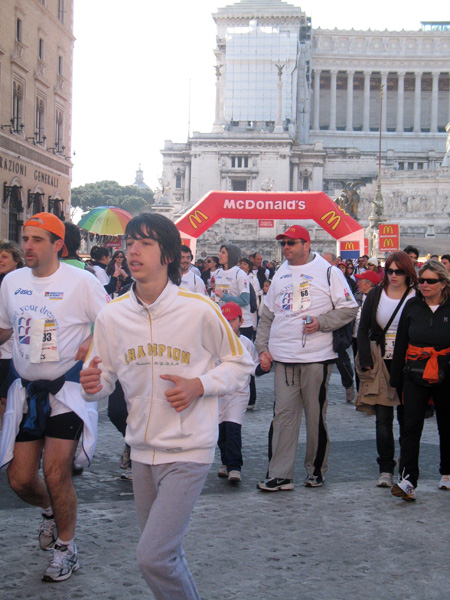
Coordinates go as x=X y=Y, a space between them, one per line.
x=51 y=317
x=234 y=282
x=102 y=275
x=386 y=307
x=298 y=291
x=193 y=282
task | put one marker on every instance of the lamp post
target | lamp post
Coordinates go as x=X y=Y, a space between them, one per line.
x=377 y=213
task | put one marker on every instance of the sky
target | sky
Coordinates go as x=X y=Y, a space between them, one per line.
x=139 y=65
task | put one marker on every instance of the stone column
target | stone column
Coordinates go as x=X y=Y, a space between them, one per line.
x=384 y=101
x=187 y=182
x=349 y=115
x=217 y=125
x=366 y=108
x=278 y=123
x=400 y=101
x=295 y=176
x=434 y=102
x=417 y=101
x=316 y=121
x=333 y=100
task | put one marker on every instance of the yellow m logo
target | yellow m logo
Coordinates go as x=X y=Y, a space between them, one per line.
x=196 y=218
x=333 y=219
x=388 y=243
x=349 y=246
x=388 y=230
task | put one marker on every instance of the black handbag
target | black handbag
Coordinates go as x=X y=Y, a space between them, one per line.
x=342 y=337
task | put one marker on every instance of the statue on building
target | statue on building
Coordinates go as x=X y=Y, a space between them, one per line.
x=349 y=199
x=446 y=160
x=267 y=185
x=217 y=69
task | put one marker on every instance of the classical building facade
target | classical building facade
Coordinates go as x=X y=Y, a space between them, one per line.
x=302 y=109
x=36 y=48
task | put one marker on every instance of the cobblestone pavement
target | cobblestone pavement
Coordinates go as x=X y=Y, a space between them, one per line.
x=348 y=540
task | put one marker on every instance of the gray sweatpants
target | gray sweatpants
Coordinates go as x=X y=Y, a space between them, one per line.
x=165 y=496
x=298 y=388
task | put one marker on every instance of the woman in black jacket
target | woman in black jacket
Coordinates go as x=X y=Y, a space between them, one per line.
x=421 y=365
x=398 y=285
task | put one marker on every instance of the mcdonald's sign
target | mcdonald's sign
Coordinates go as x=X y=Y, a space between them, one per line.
x=389 y=238
x=196 y=218
x=349 y=246
x=331 y=218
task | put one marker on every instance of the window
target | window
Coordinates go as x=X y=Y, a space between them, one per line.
x=60 y=65
x=59 y=132
x=305 y=183
x=410 y=166
x=239 y=185
x=61 y=11
x=17 y=108
x=401 y=166
x=178 y=181
x=39 y=124
x=41 y=49
x=19 y=30
x=239 y=162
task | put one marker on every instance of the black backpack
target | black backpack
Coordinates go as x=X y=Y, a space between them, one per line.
x=253 y=299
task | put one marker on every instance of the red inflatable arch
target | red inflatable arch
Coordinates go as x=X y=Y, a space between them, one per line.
x=296 y=206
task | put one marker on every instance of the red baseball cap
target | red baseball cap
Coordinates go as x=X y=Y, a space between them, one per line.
x=231 y=310
x=295 y=232
x=50 y=223
x=370 y=276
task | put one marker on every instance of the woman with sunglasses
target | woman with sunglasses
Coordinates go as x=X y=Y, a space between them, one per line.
x=118 y=272
x=421 y=366
x=377 y=331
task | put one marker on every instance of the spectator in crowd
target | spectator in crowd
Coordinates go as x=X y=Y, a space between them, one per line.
x=211 y=266
x=413 y=254
x=118 y=270
x=189 y=279
x=445 y=260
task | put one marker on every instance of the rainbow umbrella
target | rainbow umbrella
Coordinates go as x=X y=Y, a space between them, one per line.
x=105 y=220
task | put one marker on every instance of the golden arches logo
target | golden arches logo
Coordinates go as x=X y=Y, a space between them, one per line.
x=333 y=219
x=388 y=230
x=349 y=246
x=388 y=243
x=196 y=218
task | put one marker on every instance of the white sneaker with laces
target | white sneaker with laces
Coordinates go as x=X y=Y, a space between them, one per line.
x=404 y=489
x=234 y=476
x=47 y=533
x=444 y=483
x=385 y=480
x=63 y=564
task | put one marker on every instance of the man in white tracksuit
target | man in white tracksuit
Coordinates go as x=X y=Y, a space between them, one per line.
x=162 y=342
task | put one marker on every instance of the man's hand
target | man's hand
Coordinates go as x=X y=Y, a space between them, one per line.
x=311 y=327
x=84 y=349
x=265 y=360
x=184 y=392
x=90 y=377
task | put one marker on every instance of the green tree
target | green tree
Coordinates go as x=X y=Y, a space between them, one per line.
x=110 y=193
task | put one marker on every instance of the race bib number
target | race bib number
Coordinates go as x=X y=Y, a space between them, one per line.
x=43 y=341
x=390 y=343
x=302 y=296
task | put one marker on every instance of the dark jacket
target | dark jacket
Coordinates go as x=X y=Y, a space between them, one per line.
x=421 y=327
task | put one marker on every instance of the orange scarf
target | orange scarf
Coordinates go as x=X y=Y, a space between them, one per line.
x=431 y=372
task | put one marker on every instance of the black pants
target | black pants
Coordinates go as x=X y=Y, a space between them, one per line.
x=415 y=400
x=117 y=409
x=230 y=445
x=345 y=368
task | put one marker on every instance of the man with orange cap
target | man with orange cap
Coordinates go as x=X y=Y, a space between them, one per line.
x=50 y=308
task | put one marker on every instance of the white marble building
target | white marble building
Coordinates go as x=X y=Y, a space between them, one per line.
x=299 y=108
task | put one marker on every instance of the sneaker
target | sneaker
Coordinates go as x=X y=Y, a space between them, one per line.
x=444 y=483
x=234 y=477
x=275 y=485
x=385 y=480
x=47 y=533
x=127 y=474
x=223 y=471
x=350 y=394
x=77 y=469
x=404 y=489
x=63 y=564
x=313 y=481
x=125 y=461
x=250 y=406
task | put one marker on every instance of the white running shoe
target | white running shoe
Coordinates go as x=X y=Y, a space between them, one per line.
x=404 y=489
x=385 y=480
x=234 y=476
x=63 y=564
x=444 y=483
x=47 y=533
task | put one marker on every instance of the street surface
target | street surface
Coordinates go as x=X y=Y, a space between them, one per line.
x=348 y=540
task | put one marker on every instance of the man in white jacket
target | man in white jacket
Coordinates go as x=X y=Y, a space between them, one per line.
x=163 y=343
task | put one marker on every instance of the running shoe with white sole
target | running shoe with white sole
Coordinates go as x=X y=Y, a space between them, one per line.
x=274 y=484
x=444 y=483
x=385 y=480
x=63 y=564
x=313 y=481
x=127 y=475
x=234 y=476
x=404 y=489
x=47 y=533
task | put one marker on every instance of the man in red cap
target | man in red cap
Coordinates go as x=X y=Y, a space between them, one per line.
x=50 y=308
x=306 y=302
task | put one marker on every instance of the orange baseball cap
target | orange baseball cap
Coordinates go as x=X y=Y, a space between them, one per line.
x=295 y=232
x=50 y=223
x=231 y=310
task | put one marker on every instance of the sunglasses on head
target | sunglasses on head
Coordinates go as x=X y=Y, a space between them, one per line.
x=428 y=280
x=290 y=243
x=395 y=272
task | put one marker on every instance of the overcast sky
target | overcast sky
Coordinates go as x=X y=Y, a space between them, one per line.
x=134 y=62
